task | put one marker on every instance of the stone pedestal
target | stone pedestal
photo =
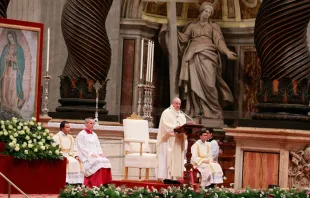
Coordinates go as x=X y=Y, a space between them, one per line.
x=78 y=95
x=212 y=123
x=265 y=154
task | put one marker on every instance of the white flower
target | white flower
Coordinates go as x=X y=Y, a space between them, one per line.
x=27 y=137
x=30 y=145
x=5 y=133
x=46 y=130
x=19 y=127
x=2 y=126
x=16 y=148
x=49 y=138
x=25 y=128
x=31 y=123
x=33 y=119
x=10 y=127
x=39 y=137
x=12 y=144
x=11 y=137
x=24 y=145
x=39 y=127
x=39 y=123
x=26 y=152
x=43 y=140
x=54 y=144
x=1 y=122
x=42 y=148
x=57 y=152
x=50 y=152
x=20 y=124
x=44 y=134
x=35 y=150
x=34 y=135
x=35 y=141
x=15 y=134
x=40 y=143
x=1 y=133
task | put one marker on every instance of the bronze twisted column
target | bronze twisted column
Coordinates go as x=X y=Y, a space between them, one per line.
x=281 y=41
x=3 y=7
x=89 y=54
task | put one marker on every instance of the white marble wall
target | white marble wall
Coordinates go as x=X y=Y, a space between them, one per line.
x=49 y=13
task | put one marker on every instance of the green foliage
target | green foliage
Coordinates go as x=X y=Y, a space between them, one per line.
x=28 y=140
x=111 y=191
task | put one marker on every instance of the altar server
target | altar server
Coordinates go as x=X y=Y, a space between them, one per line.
x=97 y=166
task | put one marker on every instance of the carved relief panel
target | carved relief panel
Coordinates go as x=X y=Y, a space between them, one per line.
x=299 y=169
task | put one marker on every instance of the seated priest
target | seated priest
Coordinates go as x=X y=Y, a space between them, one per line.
x=202 y=159
x=74 y=173
x=97 y=167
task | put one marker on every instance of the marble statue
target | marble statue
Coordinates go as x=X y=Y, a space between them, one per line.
x=200 y=79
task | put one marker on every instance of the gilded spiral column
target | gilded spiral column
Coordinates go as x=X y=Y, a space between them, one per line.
x=3 y=7
x=280 y=37
x=89 y=55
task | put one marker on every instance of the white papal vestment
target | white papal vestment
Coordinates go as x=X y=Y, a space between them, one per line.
x=170 y=149
x=212 y=172
x=87 y=145
x=74 y=173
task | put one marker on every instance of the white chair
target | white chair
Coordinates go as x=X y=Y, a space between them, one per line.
x=137 y=149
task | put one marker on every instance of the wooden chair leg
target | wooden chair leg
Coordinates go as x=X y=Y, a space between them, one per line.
x=126 y=173
x=139 y=173
x=147 y=173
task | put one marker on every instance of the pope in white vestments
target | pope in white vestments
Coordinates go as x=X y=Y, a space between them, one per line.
x=205 y=161
x=171 y=146
x=97 y=167
x=74 y=173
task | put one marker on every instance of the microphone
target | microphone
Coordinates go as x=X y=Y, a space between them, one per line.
x=187 y=116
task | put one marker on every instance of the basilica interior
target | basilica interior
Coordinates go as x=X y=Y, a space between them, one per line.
x=105 y=41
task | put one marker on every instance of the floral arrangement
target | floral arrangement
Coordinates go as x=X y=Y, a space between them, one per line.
x=111 y=191
x=28 y=140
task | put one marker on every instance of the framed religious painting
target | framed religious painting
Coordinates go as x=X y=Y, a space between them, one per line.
x=20 y=69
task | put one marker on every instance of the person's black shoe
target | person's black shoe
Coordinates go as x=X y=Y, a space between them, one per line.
x=210 y=186
x=170 y=181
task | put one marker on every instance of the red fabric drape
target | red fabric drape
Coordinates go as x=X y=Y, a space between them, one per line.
x=102 y=176
x=33 y=177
